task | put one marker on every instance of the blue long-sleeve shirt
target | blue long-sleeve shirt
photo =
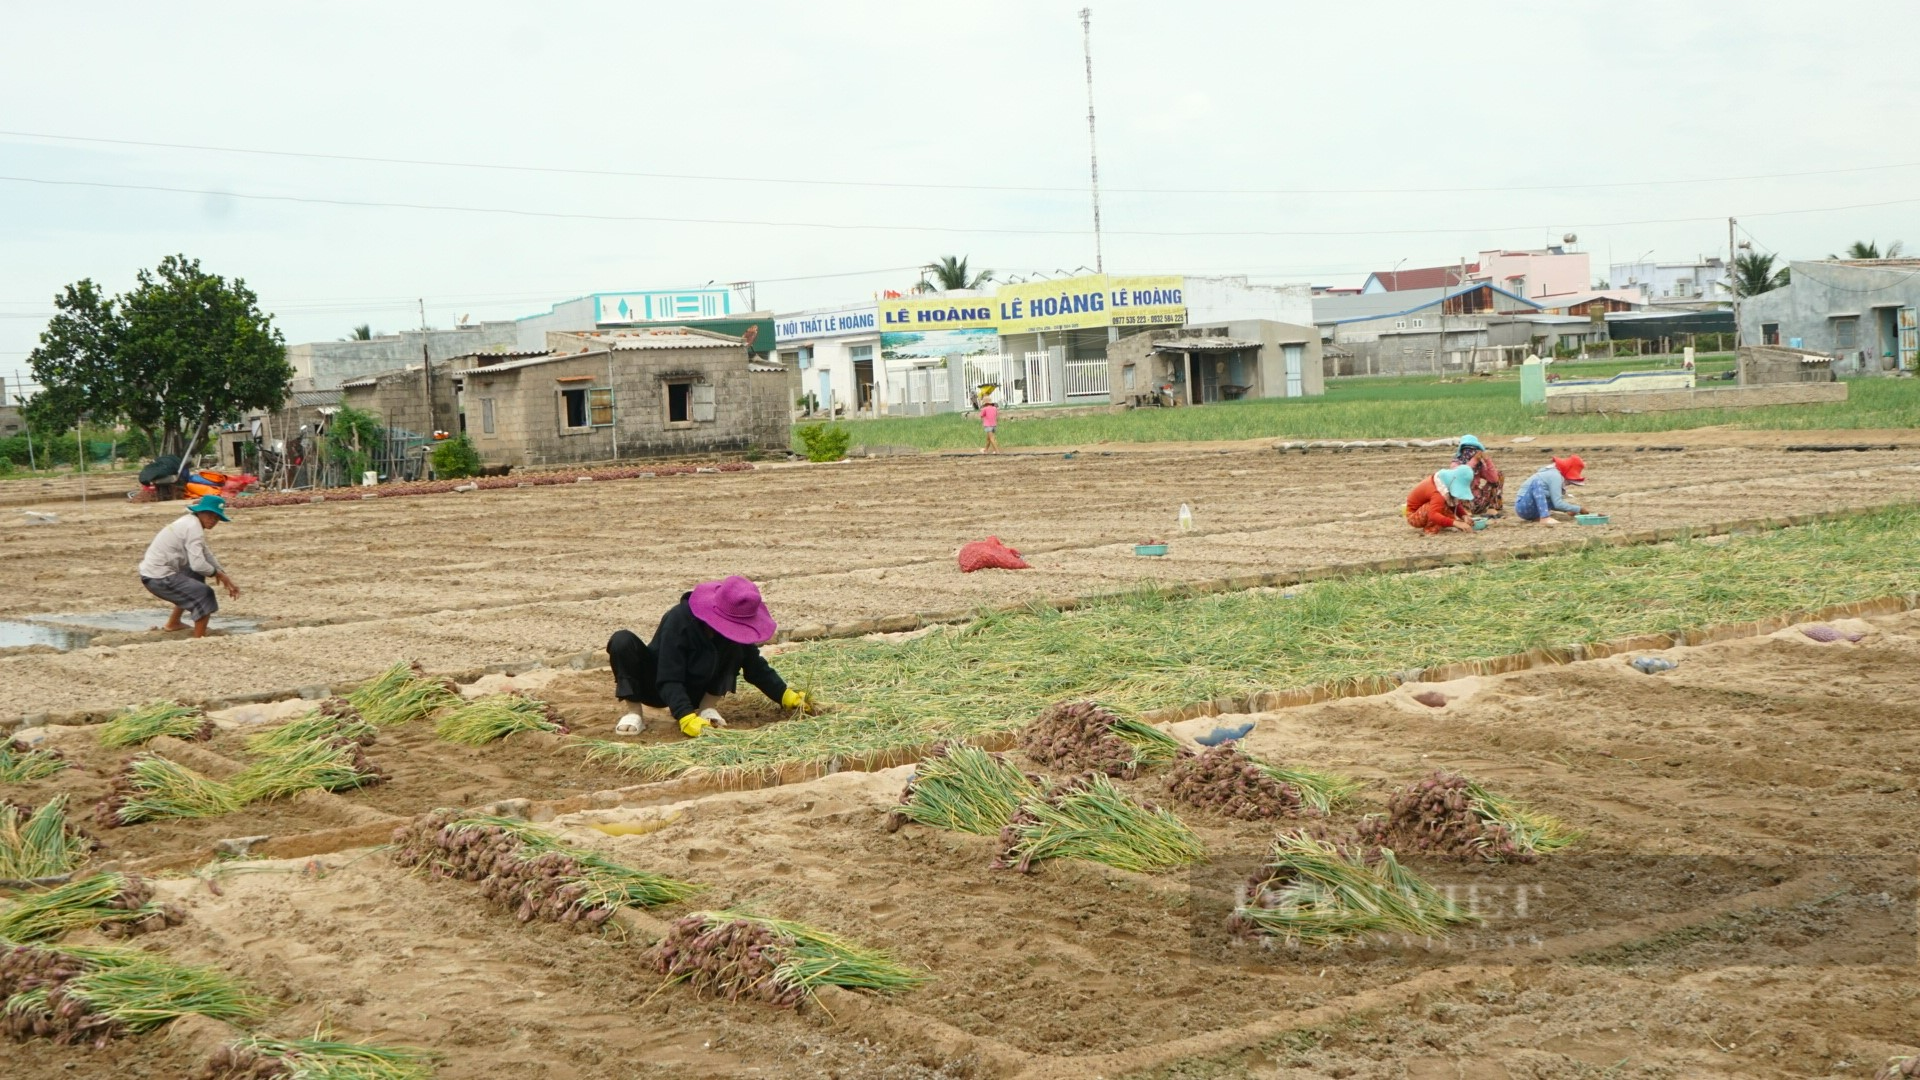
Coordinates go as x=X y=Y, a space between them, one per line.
x=1544 y=491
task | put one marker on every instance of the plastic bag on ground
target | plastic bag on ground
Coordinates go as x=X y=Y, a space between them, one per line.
x=990 y=554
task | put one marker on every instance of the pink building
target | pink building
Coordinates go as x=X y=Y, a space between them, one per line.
x=1535 y=273
x=1546 y=272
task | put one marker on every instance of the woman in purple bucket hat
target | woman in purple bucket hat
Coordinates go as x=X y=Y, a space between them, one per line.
x=704 y=645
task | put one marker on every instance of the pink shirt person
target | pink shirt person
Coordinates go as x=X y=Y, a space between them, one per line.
x=989 y=416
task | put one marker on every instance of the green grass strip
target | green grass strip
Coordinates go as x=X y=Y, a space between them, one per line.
x=1413 y=407
x=1148 y=651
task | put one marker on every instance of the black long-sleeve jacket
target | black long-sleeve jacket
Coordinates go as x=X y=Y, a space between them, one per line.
x=692 y=660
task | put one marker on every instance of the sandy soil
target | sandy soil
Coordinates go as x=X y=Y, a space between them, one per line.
x=1743 y=906
x=463 y=581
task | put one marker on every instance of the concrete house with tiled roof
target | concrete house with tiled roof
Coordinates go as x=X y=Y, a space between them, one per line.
x=610 y=394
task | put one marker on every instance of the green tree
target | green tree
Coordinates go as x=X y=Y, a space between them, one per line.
x=950 y=273
x=363 y=332
x=1870 y=249
x=1753 y=274
x=181 y=351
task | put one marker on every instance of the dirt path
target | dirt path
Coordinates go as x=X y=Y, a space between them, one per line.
x=462 y=581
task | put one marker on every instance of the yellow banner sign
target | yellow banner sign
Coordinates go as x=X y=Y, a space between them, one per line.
x=925 y=315
x=1147 y=301
x=1088 y=302
x=1078 y=303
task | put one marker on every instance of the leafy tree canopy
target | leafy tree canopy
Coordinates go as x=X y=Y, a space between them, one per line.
x=1753 y=274
x=184 y=349
x=950 y=272
x=1870 y=249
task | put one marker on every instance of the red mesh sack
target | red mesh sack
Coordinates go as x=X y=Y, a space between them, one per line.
x=990 y=554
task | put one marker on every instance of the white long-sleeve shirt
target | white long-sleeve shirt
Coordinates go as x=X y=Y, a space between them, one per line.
x=182 y=545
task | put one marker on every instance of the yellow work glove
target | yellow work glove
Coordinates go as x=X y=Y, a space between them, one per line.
x=692 y=724
x=795 y=699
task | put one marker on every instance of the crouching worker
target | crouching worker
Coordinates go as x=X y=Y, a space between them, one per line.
x=1487 y=481
x=178 y=563
x=1442 y=501
x=1545 y=492
x=703 y=646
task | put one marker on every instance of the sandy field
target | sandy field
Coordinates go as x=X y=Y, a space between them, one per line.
x=1742 y=906
x=463 y=581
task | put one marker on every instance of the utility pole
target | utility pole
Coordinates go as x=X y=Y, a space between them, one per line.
x=1733 y=280
x=1093 y=153
x=426 y=370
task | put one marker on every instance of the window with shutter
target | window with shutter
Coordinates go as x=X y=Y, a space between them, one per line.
x=703 y=409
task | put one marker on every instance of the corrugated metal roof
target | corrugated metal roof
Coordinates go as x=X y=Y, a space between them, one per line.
x=516 y=365
x=1374 y=305
x=1423 y=277
x=672 y=341
x=629 y=344
x=309 y=398
x=757 y=366
x=1345 y=309
x=488 y=359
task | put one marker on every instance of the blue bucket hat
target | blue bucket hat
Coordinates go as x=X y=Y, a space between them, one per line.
x=1458 y=481
x=209 y=504
x=1471 y=441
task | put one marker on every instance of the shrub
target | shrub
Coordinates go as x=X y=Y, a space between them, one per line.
x=454 y=458
x=825 y=442
x=351 y=441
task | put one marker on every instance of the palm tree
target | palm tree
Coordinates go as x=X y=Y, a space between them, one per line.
x=1753 y=274
x=363 y=332
x=1869 y=249
x=951 y=273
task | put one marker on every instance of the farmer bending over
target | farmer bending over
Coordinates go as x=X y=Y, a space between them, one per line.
x=1442 y=501
x=703 y=646
x=1487 y=481
x=1545 y=492
x=178 y=563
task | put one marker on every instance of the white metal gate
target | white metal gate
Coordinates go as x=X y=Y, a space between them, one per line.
x=1909 y=339
x=1039 y=379
x=1086 y=378
x=1294 y=354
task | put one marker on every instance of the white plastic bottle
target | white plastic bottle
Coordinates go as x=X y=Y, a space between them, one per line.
x=1186 y=518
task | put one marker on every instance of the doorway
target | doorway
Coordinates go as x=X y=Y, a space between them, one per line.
x=862 y=356
x=1887 y=343
x=1295 y=356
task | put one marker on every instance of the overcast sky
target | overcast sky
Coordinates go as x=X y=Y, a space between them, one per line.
x=1286 y=141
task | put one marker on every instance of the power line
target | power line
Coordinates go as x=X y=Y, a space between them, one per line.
x=952 y=229
x=913 y=185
